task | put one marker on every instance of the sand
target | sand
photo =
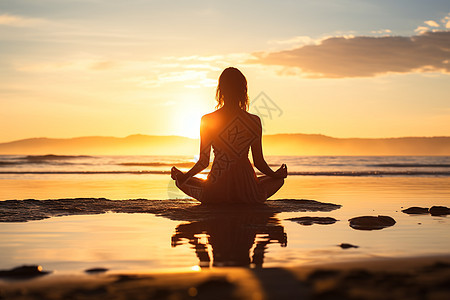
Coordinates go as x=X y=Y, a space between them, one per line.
x=399 y=278
x=377 y=278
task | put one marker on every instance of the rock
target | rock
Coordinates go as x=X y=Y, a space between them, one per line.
x=23 y=272
x=96 y=270
x=313 y=220
x=439 y=210
x=416 y=210
x=371 y=222
x=347 y=246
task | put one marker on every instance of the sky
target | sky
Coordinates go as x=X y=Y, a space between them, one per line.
x=342 y=68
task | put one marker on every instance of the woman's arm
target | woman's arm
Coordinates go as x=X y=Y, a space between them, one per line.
x=260 y=162
x=205 y=151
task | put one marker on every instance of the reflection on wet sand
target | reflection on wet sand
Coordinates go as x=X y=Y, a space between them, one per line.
x=232 y=238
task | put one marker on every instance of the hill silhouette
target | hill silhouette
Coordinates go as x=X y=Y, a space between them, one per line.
x=278 y=144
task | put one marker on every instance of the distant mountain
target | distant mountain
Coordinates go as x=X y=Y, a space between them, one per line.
x=278 y=144
x=101 y=145
x=315 y=144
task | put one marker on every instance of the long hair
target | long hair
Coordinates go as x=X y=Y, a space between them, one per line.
x=232 y=89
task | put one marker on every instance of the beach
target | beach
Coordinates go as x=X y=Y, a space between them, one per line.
x=109 y=109
x=407 y=278
x=143 y=239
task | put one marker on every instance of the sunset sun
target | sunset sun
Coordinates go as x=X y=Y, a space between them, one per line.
x=190 y=124
x=189 y=114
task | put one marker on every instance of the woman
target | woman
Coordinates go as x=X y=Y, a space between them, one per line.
x=231 y=131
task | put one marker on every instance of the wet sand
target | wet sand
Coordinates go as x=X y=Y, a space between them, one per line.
x=400 y=278
x=42 y=231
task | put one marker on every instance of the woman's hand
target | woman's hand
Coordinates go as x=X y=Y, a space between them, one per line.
x=281 y=172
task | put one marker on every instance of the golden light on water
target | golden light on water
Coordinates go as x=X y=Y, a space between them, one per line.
x=195 y=268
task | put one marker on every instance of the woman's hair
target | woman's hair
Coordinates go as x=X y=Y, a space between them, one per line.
x=232 y=89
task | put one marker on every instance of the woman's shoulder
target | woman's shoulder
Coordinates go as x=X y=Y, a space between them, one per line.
x=208 y=119
x=219 y=114
x=253 y=117
x=209 y=116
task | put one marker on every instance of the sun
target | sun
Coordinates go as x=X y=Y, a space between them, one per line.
x=190 y=124
x=189 y=115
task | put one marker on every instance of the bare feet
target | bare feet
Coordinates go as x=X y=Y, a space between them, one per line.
x=174 y=172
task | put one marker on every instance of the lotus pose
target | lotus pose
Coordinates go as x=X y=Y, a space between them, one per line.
x=231 y=131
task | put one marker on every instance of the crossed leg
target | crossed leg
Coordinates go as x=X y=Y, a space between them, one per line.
x=270 y=185
x=192 y=187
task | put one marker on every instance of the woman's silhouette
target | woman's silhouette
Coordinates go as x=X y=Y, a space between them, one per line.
x=231 y=131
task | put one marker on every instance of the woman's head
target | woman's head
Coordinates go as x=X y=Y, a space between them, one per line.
x=232 y=89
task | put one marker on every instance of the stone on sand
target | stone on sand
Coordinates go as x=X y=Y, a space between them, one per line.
x=416 y=210
x=371 y=222
x=439 y=210
x=347 y=246
x=23 y=272
x=313 y=220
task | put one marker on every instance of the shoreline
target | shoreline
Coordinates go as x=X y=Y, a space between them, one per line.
x=388 y=278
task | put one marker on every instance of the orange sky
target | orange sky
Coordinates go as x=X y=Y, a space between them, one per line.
x=91 y=69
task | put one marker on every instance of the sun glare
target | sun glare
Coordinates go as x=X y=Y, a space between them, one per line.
x=190 y=124
x=189 y=117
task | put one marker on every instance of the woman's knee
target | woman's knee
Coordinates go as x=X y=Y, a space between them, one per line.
x=280 y=182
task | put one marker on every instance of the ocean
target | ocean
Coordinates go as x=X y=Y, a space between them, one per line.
x=11 y=165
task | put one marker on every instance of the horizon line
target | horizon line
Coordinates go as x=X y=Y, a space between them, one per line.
x=186 y=137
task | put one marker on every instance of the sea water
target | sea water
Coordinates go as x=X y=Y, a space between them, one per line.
x=298 y=165
x=145 y=242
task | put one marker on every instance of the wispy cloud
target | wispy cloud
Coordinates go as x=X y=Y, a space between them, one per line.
x=296 y=41
x=69 y=65
x=190 y=79
x=382 y=31
x=20 y=21
x=364 y=56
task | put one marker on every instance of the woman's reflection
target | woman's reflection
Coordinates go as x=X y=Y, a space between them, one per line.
x=232 y=237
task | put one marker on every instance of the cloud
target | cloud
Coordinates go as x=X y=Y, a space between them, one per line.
x=446 y=21
x=364 y=56
x=190 y=79
x=19 y=21
x=421 y=29
x=381 y=31
x=296 y=41
x=432 y=23
x=67 y=65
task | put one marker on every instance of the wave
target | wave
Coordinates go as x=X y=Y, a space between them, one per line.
x=158 y=164
x=41 y=159
x=372 y=173
x=52 y=157
x=411 y=165
x=36 y=162
x=84 y=172
x=9 y=163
